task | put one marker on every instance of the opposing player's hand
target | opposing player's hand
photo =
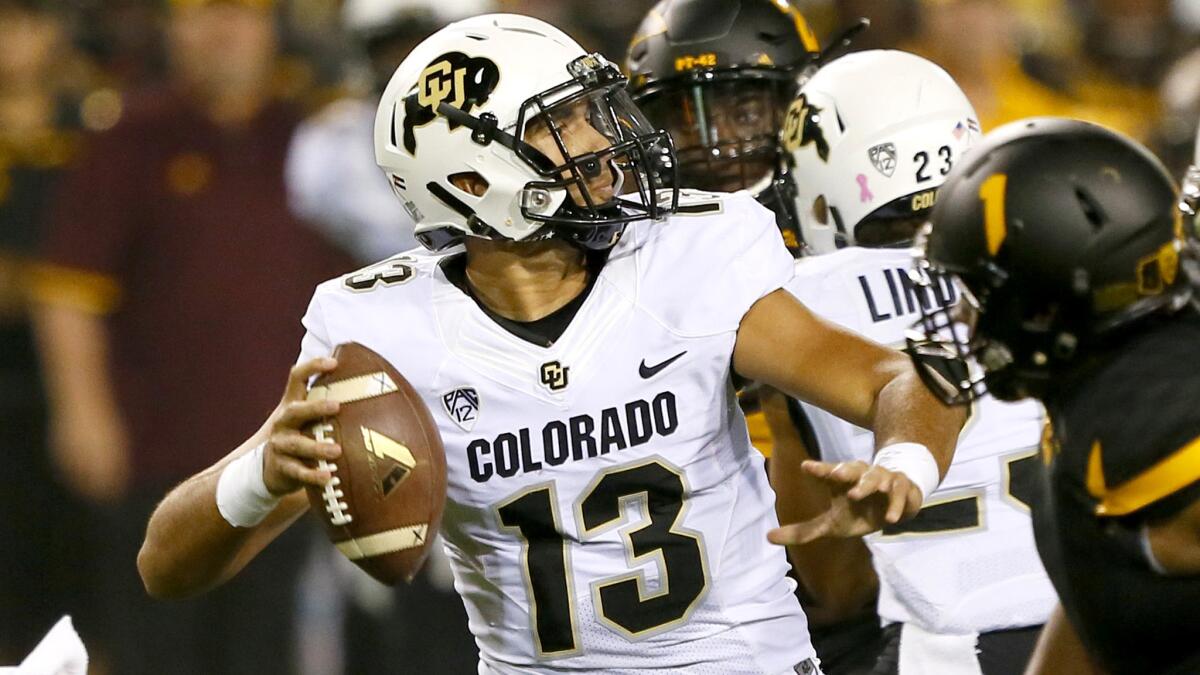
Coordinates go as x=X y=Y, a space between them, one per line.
x=863 y=498
x=290 y=457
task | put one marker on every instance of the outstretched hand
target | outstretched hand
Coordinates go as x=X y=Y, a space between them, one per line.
x=863 y=498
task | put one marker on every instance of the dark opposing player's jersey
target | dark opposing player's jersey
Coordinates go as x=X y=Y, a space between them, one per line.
x=1125 y=449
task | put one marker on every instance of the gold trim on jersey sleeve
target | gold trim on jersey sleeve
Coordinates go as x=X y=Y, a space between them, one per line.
x=1009 y=493
x=80 y=289
x=978 y=518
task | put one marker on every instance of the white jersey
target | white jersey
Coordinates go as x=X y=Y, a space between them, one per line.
x=605 y=509
x=334 y=183
x=967 y=563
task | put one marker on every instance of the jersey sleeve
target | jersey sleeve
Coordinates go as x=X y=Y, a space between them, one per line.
x=316 y=342
x=1138 y=428
x=93 y=226
x=705 y=271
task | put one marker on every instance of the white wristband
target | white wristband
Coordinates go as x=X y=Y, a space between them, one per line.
x=242 y=496
x=913 y=460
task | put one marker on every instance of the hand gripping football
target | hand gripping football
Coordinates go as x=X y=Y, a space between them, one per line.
x=383 y=506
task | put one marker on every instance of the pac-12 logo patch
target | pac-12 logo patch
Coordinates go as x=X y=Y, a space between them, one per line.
x=452 y=78
x=883 y=158
x=462 y=405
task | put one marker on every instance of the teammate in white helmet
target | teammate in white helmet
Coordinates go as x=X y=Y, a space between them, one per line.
x=332 y=179
x=605 y=510
x=961 y=588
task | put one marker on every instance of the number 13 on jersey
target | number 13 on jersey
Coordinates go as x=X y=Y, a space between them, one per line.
x=623 y=602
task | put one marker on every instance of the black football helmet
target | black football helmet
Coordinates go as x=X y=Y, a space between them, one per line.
x=719 y=76
x=1062 y=235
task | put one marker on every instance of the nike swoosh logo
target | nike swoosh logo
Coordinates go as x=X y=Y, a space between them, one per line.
x=1166 y=477
x=648 y=372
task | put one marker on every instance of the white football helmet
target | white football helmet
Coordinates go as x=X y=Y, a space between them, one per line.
x=873 y=135
x=545 y=129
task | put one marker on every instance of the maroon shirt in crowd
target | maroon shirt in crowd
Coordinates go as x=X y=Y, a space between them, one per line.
x=178 y=230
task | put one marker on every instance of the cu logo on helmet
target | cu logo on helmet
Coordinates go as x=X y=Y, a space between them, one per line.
x=802 y=126
x=454 y=79
x=439 y=82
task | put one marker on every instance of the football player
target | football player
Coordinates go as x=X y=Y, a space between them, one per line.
x=1068 y=243
x=961 y=590
x=719 y=76
x=605 y=511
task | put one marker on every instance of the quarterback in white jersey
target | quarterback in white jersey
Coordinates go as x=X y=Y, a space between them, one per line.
x=623 y=437
x=575 y=330
x=967 y=563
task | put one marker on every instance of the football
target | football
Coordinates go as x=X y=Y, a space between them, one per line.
x=383 y=507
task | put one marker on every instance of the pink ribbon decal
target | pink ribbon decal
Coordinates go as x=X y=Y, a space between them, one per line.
x=865 y=194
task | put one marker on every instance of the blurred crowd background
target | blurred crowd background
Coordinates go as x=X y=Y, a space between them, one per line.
x=177 y=175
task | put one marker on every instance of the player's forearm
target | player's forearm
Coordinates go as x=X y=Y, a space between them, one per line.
x=75 y=357
x=906 y=412
x=192 y=544
x=783 y=344
x=836 y=573
x=189 y=546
